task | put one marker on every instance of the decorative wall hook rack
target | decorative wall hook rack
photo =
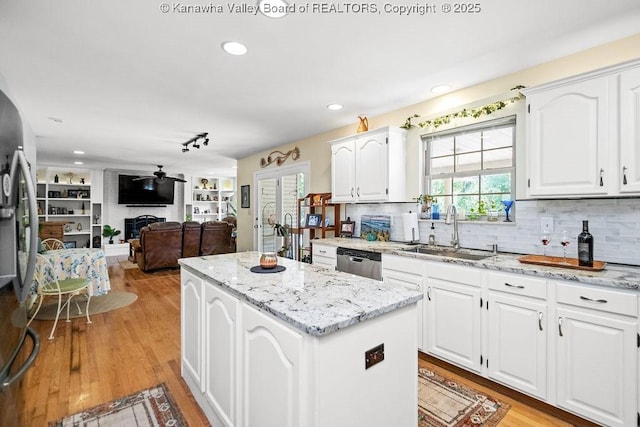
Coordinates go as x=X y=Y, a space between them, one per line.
x=294 y=154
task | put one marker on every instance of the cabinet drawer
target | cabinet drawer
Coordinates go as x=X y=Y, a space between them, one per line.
x=454 y=273
x=518 y=284
x=598 y=299
x=324 y=251
x=400 y=263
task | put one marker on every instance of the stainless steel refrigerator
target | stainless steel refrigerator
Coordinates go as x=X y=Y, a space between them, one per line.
x=19 y=344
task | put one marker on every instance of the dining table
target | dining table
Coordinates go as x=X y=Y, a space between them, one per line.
x=70 y=263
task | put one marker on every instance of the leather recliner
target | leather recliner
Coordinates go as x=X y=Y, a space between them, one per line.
x=160 y=246
x=216 y=238
x=191 y=231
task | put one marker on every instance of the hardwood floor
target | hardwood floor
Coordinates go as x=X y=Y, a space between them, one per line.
x=138 y=346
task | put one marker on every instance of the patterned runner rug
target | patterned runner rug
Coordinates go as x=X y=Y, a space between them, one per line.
x=445 y=403
x=151 y=407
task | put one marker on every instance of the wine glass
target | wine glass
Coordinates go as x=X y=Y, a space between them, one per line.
x=545 y=238
x=565 y=242
x=507 y=206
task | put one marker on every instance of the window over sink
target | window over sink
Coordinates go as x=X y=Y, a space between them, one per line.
x=472 y=166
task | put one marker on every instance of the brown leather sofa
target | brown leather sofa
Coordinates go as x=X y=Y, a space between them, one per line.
x=216 y=238
x=161 y=244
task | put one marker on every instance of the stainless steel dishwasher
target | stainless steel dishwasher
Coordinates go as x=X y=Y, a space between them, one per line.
x=361 y=263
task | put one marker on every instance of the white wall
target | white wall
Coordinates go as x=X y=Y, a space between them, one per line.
x=114 y=214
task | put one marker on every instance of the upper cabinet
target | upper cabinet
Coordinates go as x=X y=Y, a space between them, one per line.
x=582 y=135
x=362 y=164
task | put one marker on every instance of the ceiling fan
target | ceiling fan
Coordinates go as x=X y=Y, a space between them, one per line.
x=159 y=176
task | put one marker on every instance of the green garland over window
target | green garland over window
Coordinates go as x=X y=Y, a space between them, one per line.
x=483 y=110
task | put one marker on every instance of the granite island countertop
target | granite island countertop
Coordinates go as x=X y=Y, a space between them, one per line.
x=616 y=276
x=314 y=300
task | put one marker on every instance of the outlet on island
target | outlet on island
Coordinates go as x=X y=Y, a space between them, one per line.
x=373 y=356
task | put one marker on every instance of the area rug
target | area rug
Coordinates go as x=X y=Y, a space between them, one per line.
x=445 y=403
x=99 y=304
x=151 y=407
x=127 y=265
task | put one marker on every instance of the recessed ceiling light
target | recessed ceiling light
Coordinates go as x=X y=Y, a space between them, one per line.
x=234 y=48
x=440 y=89
x=78 y=163
x=78 y=152
x=334 y=107
x=273 y=8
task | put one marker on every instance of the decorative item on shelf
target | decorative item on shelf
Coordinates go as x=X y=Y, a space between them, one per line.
x=82 y=208
x=314 y=220
x=363 y=126
x=110 y=232
x=79 y=227
x=55 y=179
x=70 y=244
x=96 y=219
x=492 y=212
x=283 y=231
x=294 y=154
x=507 y=207
x=347 y=227
x=81 y=180
x=70 y=175
x=97 y=242
x=67 y=228
x=204 y=182
x=425 y=201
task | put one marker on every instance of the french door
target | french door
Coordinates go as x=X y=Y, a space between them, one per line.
x=277 y=194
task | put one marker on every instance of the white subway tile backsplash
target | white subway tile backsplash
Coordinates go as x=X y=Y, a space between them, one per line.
x=614 y=224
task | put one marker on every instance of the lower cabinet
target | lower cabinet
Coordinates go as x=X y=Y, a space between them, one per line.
x=453 y=314
x=597 y=354
x=324 y=256
x=517 y=332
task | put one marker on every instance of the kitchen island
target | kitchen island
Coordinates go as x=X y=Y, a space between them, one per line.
x=302 y=347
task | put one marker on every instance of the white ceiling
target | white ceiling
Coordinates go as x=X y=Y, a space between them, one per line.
x=131 y=83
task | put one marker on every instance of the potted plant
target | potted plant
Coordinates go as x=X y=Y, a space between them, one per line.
x=283 y=231
x=110 y=232
x=426 y=201
x=492 y=214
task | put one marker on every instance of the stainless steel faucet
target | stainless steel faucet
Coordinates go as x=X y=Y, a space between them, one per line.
x=455 y=237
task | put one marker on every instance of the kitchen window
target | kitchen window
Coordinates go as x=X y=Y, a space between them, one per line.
x=472 y=166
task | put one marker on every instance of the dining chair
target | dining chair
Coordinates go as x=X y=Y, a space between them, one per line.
x=58 y=288
x=52 y=244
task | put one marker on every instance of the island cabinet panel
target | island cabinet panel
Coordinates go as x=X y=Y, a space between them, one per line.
x=596 y=355
x=221 y=354
x=270 y=372
x=191 y=329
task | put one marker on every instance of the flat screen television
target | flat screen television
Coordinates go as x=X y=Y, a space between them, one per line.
x=144 y=191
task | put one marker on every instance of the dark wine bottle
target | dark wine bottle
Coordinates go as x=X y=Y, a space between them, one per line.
x=585 y=246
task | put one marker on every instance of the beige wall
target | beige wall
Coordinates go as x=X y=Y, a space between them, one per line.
x=316 y=150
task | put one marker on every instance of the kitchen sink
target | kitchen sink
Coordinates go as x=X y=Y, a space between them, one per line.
x=449 y=252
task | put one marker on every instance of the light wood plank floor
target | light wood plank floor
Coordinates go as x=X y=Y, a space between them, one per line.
x=138 y=346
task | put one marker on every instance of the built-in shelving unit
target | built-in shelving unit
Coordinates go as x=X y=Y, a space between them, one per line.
x=318 y=218
x=68 y=196
x=210 y=198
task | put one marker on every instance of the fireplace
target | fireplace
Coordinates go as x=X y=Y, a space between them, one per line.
x=132 y=226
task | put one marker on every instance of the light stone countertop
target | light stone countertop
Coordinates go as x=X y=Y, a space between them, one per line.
x=314 y=300
x=617 y=276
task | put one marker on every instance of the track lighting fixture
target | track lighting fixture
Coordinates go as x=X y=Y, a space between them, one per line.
x=194 y=141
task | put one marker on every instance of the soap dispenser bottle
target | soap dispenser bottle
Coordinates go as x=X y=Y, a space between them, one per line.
x=432 y=236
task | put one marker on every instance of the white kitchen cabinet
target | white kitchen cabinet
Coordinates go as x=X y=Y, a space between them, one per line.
x=597 y=353
x=568 y=139
x=517 y=332
x=398 y=270
x=583 y=134
x=270 y=371
x=221 y=354
x=630 y=131
x=362 y=167
x=453 y=314
x=191 y=328
x=324 y=256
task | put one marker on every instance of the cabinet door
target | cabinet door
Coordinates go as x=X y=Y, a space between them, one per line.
x=630 y=131
x=411 y=281
x=343 y=172
x=567 y=148
x=270 y=372
x=372 y=168
x=596 y=366
x=454 y=323
x=517 y=353
x=221 y=354
x=191 y=327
